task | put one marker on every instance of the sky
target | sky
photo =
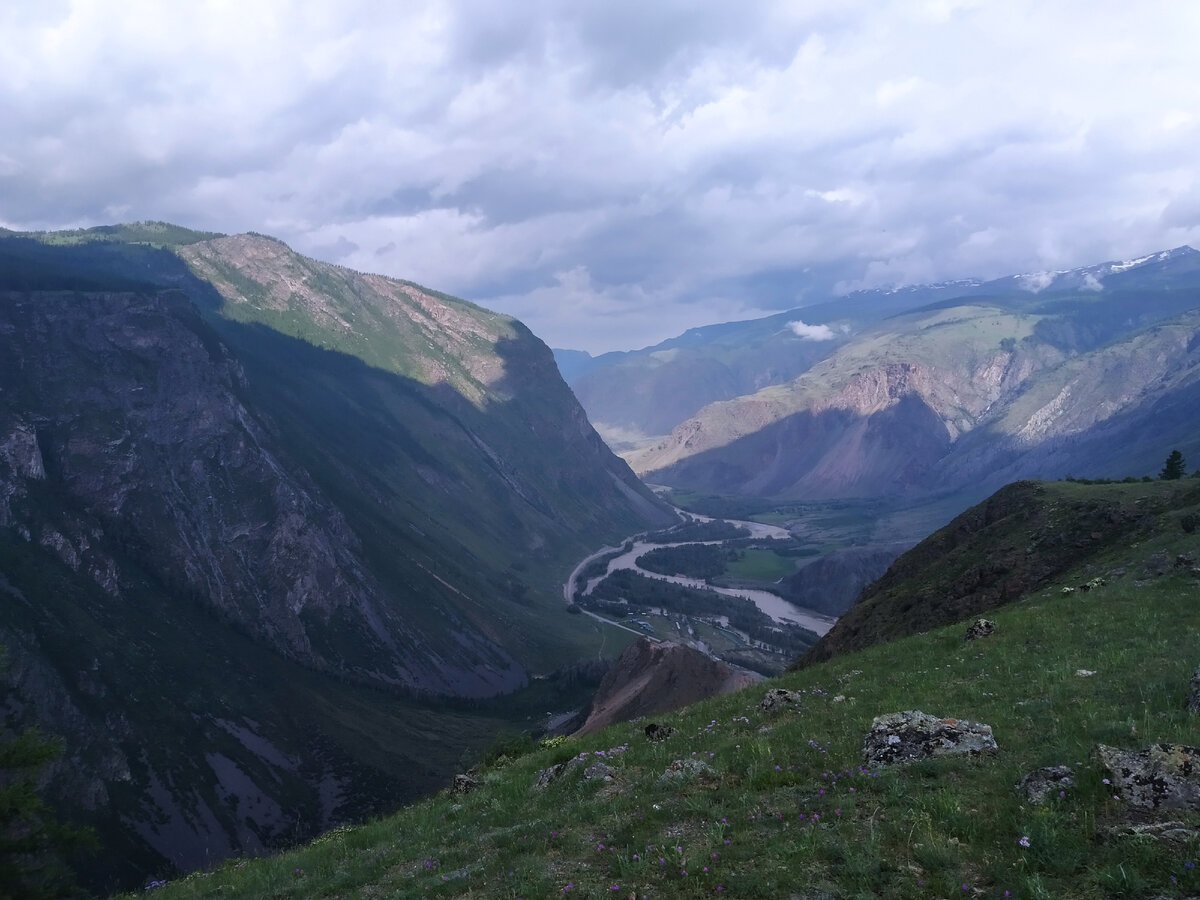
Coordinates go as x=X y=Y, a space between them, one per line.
x=614 y=173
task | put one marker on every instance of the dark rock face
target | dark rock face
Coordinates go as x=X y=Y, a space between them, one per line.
x=980 y=628
x=1163 y=776
x=656 y=733
x=903 y=736
x=653 y=677
x=132 y=405
x=1042 y=784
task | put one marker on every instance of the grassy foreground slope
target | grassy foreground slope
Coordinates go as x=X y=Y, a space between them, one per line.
x=775 y=804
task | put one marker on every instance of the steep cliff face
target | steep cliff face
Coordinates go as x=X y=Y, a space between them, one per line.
x=255 y=531
x=129 y=405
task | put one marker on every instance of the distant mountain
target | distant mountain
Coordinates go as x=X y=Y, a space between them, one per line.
x=634 y=396
x=1090 y=372
x=264 y=522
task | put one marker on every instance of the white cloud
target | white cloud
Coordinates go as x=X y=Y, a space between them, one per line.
x=812 y=332
x=1036 y=282
x=696 y=162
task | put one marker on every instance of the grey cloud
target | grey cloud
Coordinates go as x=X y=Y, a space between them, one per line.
x=623 y=158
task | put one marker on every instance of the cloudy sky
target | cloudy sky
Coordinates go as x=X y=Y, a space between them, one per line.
x=616 y=172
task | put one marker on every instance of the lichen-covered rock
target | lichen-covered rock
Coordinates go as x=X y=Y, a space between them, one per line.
x=980 y=628
x=1041 y=784
x=779 y=698
x=902 y=736
x=1163 y=776
x=463 y=784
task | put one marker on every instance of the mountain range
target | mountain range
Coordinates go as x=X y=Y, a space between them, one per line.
x=272 y=532
x=947 y=389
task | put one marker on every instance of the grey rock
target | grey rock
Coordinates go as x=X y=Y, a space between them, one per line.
x=599 y=770
x=980 y=628
x=1041 y=784
x=779 y=698
x=1193 y=701
x=1163 y=776
x=682 y=770
x=463 y=784
x=547 y=777
x=902 y=736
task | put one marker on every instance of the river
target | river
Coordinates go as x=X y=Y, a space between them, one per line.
x=772 y=604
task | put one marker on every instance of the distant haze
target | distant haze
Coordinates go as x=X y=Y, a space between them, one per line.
x=616 y=173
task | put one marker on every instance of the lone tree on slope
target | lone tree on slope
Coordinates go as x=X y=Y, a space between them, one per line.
x=1173 y=468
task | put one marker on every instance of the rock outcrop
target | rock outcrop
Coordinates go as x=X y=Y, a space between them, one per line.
x=980 y=628
x=651 y=677
x=903 y=736
x=1162 y=776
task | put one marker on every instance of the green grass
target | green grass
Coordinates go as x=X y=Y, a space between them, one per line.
x=765 y=565
x=788 y=811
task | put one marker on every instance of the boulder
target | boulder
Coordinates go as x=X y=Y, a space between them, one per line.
x=655 y=732
x=779 y=698
x=463 y=784
x=1042 y=784
x=902 y=736
x=682 y=770
x=1163 y=776
x=980 y=628
x=547 y=777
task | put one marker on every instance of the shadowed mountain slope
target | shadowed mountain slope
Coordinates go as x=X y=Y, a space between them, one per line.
x=264 y=522
x=1023 y=537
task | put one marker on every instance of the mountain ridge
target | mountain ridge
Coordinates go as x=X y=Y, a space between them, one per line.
x=258 y=585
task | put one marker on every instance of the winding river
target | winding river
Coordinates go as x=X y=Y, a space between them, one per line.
x=772 y=604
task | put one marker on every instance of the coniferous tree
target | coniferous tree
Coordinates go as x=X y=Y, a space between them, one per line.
x=1173 y=468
